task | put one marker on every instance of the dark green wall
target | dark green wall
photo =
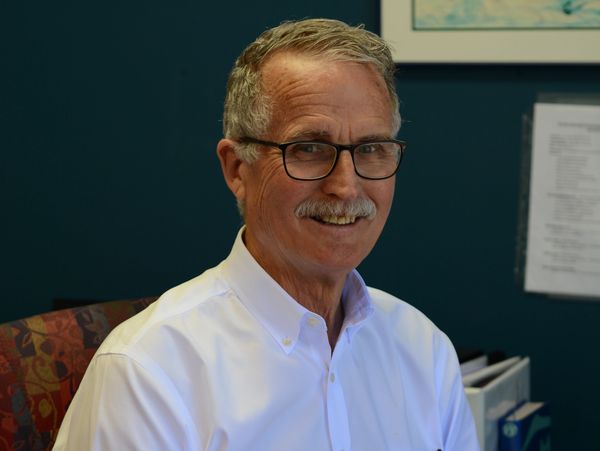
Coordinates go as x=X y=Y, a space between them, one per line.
x=110 y=188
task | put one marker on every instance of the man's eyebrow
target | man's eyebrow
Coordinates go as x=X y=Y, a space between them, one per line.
x=382 y=137
x=310 y=134
x=323 y=135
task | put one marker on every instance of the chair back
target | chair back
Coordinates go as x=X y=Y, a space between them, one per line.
x=42 y=361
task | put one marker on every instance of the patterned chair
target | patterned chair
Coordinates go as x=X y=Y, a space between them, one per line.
x=42 y=361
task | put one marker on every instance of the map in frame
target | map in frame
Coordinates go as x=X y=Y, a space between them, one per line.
x=505 y=14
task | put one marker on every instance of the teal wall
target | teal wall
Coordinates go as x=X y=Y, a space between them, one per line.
x=110 y=188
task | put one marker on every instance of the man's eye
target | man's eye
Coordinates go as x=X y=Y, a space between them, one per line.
x=370 y=148
x=307 y=148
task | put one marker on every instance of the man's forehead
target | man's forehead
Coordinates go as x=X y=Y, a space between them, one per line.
x=311 y=98
x=289 y=69
x=291 y=61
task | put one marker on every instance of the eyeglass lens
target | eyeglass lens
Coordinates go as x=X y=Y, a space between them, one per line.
x=311 y=160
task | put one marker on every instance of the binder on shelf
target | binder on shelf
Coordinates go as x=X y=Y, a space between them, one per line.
x=526 y=429
x=494 y=391
x=471 y=360
x=486 y=374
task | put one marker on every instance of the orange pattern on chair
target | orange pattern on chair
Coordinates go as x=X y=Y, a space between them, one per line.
x=42 y=361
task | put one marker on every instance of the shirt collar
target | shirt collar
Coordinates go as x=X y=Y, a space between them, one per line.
x=280 y=314
x=358 y=305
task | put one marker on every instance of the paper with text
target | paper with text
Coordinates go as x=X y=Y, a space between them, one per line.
x=563 y=236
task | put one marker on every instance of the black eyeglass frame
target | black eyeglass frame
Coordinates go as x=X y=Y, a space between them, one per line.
x=338 y=148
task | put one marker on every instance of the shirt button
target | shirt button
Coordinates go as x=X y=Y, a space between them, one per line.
x=312 y=321
x=286 y=341
x=332 y=379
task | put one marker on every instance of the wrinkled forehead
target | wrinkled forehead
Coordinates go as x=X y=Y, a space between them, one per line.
x=338 y=100
x=292 y=67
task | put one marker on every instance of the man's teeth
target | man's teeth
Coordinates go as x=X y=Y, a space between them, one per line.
x=339 y=220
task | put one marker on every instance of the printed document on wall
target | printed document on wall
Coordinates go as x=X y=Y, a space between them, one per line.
x=563 y=235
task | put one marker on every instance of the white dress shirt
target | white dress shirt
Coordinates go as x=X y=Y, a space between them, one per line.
x=229 y=361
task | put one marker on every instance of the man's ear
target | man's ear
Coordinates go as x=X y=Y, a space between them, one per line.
x=230 y=165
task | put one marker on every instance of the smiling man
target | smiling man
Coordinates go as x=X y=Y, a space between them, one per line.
x=282 y=346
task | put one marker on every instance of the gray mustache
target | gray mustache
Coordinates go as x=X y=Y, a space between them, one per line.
x=317 y=208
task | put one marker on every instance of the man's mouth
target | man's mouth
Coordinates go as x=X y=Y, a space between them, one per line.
x=337 y=213
x=336 y=220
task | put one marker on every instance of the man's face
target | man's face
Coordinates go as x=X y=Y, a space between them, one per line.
x=339 y=102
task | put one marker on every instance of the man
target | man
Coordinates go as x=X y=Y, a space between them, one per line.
x=282 y=346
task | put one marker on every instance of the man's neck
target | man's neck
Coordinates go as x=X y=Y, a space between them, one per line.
x=323 y=297
x=316 y=288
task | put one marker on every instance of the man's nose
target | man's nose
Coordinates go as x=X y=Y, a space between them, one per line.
x=343 y=181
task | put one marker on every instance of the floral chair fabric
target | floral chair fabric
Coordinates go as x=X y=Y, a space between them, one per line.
x=42 y=361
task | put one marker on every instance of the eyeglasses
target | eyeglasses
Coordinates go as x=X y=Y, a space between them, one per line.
x=315 y=160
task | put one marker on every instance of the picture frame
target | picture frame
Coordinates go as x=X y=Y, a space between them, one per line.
x=477 y=45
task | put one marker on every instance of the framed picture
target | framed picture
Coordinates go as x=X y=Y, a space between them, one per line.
x=492 y=31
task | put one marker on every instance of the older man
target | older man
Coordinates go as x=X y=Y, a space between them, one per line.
x=282 y=346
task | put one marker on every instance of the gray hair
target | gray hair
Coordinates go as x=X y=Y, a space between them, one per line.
x=248 y=109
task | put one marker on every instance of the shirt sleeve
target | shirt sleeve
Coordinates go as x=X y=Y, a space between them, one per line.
x=121 y=404
x=459 y=430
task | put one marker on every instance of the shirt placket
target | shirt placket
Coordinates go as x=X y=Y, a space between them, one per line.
x=315 y=332
x=337 y=413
